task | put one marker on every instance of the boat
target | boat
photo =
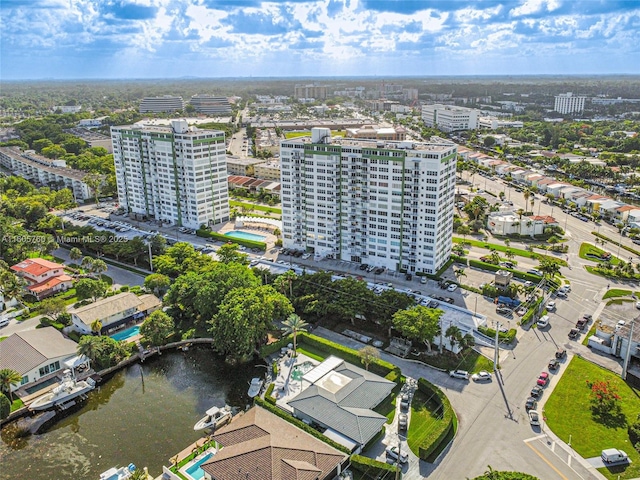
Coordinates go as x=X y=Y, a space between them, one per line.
x=255 y=387
x=121 y=473
x=215 y=417
x=68 y=389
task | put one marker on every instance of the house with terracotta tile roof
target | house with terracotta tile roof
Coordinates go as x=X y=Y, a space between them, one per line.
x=261 y=445
x=622 y=213
x=44 y=278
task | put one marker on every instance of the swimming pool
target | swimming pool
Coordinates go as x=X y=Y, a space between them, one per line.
x=300 y=369
x=194 y=471
x=126 y=334
x=245 y=236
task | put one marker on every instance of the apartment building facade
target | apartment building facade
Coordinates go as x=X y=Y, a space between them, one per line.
x=46 y=172
x=163 y=104
x=388 y=204
x=211 y=104
x=567 y=103
x=450 y=118
x=176 y=174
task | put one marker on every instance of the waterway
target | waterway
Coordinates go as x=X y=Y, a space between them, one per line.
x=144 y=414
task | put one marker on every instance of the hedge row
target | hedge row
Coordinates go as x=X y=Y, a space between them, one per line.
x=495 y=268
x=274 y=347
x=300 y=424
x=373 y=468
x=502 y=336
x=615 y=242
x=268 y=395
x=240 y=241
x=379 y=367
x=530 y=313
x=435 y=437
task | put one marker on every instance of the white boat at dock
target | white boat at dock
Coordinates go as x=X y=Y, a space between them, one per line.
x=68 y=389
x=215 y=417
x=255 y=387
x=121 y=473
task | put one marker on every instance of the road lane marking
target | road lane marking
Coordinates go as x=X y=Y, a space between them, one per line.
x=544 y=459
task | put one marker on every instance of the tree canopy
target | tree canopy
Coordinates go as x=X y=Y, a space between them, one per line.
x=418 y=323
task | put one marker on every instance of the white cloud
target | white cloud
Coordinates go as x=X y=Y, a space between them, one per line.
x=534 y=6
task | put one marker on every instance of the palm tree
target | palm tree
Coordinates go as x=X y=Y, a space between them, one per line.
x=454 y=334
x=509 y=254
x=96 y=327
x=294 y=324
x=284 y=280
x=86 y=263
x=495 y=257
x=459 y=273
x=7 y=378
x=526 y=194
x=520 y=212
x=467 y=341
x=98 y=266
x=75 y=254
x=549 y=268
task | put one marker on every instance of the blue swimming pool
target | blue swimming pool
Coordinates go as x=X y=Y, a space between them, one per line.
x=125 y=334
x=245 y=236
x=194 y=471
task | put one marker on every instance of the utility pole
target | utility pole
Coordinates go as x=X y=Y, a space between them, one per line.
x=628 y=354
x=398 y=460
x=495 y=354
x=150 y=257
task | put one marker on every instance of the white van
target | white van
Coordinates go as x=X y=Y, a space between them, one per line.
x=4 y=322
x=613 y=455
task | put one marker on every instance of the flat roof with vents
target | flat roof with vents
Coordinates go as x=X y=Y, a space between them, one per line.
x=312 y=376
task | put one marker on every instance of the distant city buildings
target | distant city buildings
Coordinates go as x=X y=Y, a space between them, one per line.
x=449 y=118
x=388 y=204
x=163 y=104
x=318 y=92
x=176 y=174
x=46 y=172
x=67 y=108
x=567 y=103
x=375 y=132
x=494 y=123
x=210 y=104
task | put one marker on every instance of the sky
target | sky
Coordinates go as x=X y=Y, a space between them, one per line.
x=110 y=39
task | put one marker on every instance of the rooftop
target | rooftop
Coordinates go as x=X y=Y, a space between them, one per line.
x=42 y=163
x=387 y=144
x=24 y=351
x=107 y=307
x=36 y=266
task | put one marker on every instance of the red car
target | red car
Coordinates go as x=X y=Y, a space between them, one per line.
x=543 y=379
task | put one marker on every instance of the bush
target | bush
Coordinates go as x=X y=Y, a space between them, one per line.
x=299 y=423
x=502 y=336
x=268 y=395
x=224 y=238
x=373 y=468
x=530 y=313
x=494 y=268
x=433 y=440
x=5 y=407
x=634 y=433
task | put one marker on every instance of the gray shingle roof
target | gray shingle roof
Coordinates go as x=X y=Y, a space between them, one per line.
x=24 y=351
x=107 y=307
x=347 y=410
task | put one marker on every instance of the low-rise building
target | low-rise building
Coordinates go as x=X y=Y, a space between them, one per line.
x=163 y=104
x=262 y=445
x=93 y=139
x=242 y=165
x=375 y=132
x=268 y=170
x=36 y=354
x=510 y=223
x=114 y=312
x=44 y=278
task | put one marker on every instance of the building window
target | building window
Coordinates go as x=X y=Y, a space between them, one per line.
x=24 y=380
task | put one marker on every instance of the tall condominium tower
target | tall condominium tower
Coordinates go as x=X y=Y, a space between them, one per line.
x=450 y=118
x=176 y=174
x=383 y=203
x=568 y=103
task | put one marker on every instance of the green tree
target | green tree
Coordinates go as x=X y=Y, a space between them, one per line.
x=549 y=268
x=230 y=252
x=489 y=141
x=53 y=307
x=418 y=323
x=293 y=325
x=54 y=151
x=157 y=283
x=96 y=327
x=98 y=266
x=90 y=288
x=94 y=182
x=75 y=254
x=368 y=355
x=244 y=319
x=284 y=282
x=157 y=328
x=454 y=335
x=9 y=377
x=464 y=230
x=104 y=352
x=5 y=407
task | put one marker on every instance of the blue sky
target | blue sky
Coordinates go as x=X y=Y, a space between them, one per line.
x=62 y=39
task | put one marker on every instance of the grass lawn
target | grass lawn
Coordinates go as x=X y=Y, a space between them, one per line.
x=424 y=419
x=586 y=249
x=471 y=361
x=619 y=301
x=253 y=206
x=516 y=251
x=387 y=408
x=17 y=403
x=568 y=412
x=311 y=352
x=2 y=338
x=592 y=331
x=289 y=135
x=616 y=292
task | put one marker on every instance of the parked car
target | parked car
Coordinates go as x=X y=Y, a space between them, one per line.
x=462 y=374
x=423 y=280
x=531 y=403
x=561 y=353
x=534 y=418
x=561 y=294
x=565 y=288
x=543 y=379
x=364 y=266
x=613 y=455
x=528 y=284
x=537 y=391
x=378 y=270
x=543 y=321
x=394 y=453
x=449 y=300
x=580 y=324
x=404 y=401
x=533 y=271
x=574 y=333
x=433 y=304
x=452 y=287
x=553 y=364
x=403 y=421
x=551 y=306
x=481 y=376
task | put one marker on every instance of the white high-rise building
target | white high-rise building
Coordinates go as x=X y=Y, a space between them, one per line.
x=568 y=103
x=163 y=104
x=450 y=118
x=384 y=203
x=177 y=174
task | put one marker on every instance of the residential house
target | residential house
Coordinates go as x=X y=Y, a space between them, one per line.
x=609 y=208
x=594 y=201
x=622 y=213
x=544 y=183
x=44 y=278
x=509 y=223
x=261 y=445
x=113 y=312
x=634 y=216
x=36 y=354
x=340 y=397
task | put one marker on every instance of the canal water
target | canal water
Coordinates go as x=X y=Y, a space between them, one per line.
x=143 y=414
